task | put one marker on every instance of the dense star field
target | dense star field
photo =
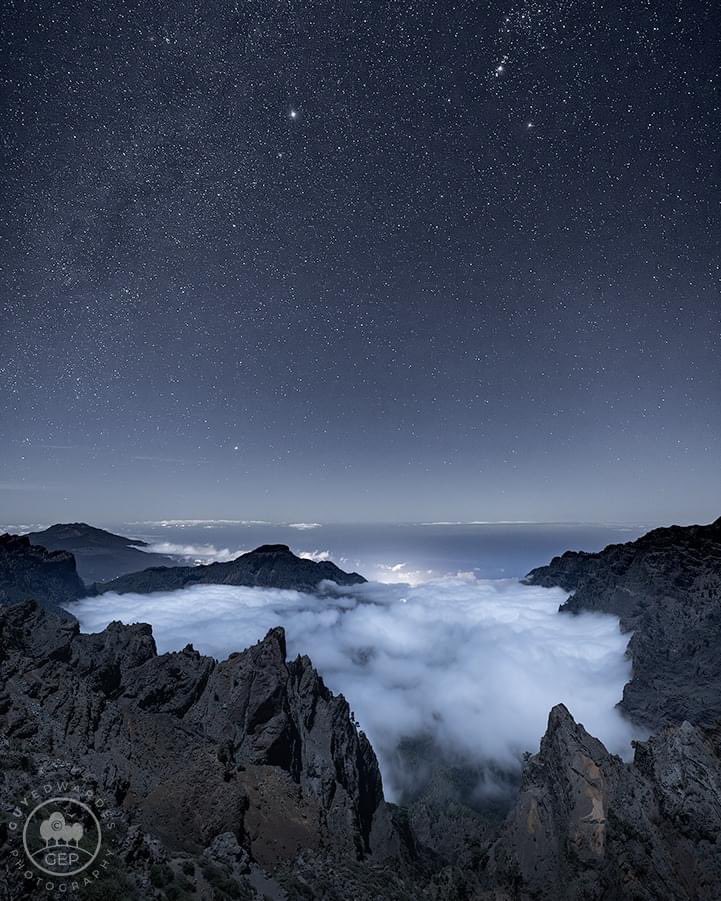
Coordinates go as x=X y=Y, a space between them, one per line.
x=360 y=259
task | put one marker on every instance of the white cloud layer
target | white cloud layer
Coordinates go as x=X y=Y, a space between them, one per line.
x=474 y=664
x=199 y=523
x=316 y=556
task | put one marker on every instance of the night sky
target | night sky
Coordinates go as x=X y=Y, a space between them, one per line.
x=361 y=260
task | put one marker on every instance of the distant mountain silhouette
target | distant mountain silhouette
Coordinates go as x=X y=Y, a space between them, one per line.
x=99 y=555
x=268 y=566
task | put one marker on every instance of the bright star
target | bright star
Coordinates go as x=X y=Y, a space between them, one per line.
x=294 y=114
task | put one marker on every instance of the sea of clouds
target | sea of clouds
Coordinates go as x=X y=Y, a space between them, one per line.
x=474 y=665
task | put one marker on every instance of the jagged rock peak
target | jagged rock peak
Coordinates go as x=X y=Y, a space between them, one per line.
x=562 y=723
x=559 y=716
x=276 y=636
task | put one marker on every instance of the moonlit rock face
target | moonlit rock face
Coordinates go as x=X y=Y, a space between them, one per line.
x=476 y=665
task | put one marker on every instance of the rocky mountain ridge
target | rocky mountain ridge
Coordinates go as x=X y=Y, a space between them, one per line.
x=666 y=588
x=192 y=750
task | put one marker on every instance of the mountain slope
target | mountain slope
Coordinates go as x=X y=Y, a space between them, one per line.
x=269 y=566
x=666 y=588
x=99 y=554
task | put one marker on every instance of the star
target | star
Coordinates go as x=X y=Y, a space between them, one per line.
x=193 y=250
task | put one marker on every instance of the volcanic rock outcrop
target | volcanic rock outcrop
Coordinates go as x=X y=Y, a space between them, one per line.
x=193 y=750
x=589 y=826
x=30 y=572
x=665 y=588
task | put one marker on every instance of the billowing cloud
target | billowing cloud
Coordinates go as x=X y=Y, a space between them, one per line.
x=315 y=556
x=401 y=574
x=194 y=553
x=474 y=665
x=23 y=528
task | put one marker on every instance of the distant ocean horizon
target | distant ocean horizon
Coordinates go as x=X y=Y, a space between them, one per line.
x=401 y=552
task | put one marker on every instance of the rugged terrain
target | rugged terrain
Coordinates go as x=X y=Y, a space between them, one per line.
x=29 y=572
x=665 y=588
x=253 y=753
x=248 y=778
x=99 y=555
x=269 y=566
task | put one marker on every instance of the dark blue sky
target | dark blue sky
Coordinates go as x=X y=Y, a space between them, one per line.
x=361 y=260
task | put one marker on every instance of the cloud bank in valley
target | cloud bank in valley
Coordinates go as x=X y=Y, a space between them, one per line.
x=475 y=665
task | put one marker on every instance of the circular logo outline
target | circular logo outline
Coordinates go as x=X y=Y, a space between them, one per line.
x=64 y=801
